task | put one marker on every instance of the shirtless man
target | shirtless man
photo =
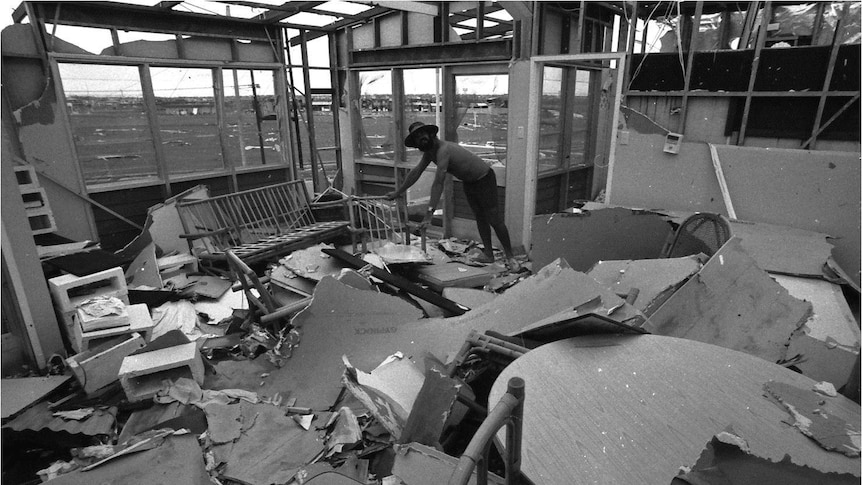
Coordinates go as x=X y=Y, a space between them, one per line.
x=480 y=185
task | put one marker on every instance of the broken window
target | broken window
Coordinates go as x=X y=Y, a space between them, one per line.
x=252 y=134
x=375 y=99
x=482 y=109
x=550 y=120
x=187 y=119
x=112 y=134
x=423 y=100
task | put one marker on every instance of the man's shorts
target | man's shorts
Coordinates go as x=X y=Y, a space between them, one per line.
x=482 y=197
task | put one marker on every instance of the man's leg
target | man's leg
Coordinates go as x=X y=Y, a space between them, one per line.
x=474 y=198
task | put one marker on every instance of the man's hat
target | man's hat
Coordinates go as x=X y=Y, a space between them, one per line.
x=416 y=128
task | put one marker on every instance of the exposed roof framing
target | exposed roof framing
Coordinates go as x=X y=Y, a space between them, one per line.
x=417 y=7
x=150 y=19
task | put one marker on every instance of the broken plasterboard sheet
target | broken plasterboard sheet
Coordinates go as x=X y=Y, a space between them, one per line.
x=271 y=448
x=312 y=263
x=734 y=304
x=728 y=460
x=469 y=297
x=828 y=343
x=341 y=320
x=781 y=249
x=223 y=422
x=833 y=422
x=455 y=274
x=816 y=190
x=164 y=223
x=583 y=239
x=418 y=464
x=144 y=270
x=178 y=460
x=284 y=277
x=388 y=391
x=18 y=393
x=432 y=407
x=654 y=279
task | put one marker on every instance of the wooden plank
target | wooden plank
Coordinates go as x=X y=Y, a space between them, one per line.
x=734 y=304
x=634 y=395
x=761 y=41
x=399 y=282
x=827 y=80
x=454 y=274
x=722 y=182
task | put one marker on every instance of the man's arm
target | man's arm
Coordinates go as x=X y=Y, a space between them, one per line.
x=437 y=186
x=411 y=178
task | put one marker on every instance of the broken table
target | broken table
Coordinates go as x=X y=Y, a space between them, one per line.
x=639 y=407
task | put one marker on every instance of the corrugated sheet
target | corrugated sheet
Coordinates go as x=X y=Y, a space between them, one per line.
x=39 y=418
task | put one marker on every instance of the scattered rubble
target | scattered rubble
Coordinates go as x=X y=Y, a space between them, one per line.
x=173 y=366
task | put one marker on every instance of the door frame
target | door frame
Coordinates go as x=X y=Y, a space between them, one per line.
x=537 y=65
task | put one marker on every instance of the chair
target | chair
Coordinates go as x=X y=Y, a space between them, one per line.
x=377 y=220
x=508 y=412
x=701 y=232
x=259 y=295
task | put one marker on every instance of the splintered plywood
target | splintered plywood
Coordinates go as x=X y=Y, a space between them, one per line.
x=732 y=303
x=654 y=279
x=271 y=448
x=828 y=343
x=584 y=239
x=639 y=407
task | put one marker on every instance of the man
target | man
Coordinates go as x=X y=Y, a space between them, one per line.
x=480 y=185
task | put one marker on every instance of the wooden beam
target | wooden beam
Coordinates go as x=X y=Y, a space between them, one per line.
x=695 y=33
x=155 y=132
x=415 y=7
x=630 y=46
x=761 y=41
x=335 y=82
x=582 y=18
x=309 y=113
x=359 y=18
x=399 y=282
x=722 y=182
x=397 y=131
x=831 y=119
x=827 y=81
x=218 y=84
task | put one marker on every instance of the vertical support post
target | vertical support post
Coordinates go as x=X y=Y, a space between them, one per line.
x=692 y=44
x=761 y=41
x=335 y=83
x=152 y=116
x=833 y=55
x=397 y=131
x=181 y=47
x=536 y=38
x=480 y=21
x=630 y=45
x=532 y=159
x=115 y=41
x=218 y=85
x=448 y=127
x=818 y=22
x=312 y=144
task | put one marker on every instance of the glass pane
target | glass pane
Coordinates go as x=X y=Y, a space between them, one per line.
x=375 y=99
x=550 y=120
x=580 y=123
x=185 y=106
x=109 y=122
x=250 y=116
x=421 y=101
x=482 y=111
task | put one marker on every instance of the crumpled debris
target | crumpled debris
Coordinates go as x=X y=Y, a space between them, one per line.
x=76 y=414
x=187 y=391
x=825 y=388
x=103 y=306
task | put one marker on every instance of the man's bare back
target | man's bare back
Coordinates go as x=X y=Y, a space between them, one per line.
x=463 y=164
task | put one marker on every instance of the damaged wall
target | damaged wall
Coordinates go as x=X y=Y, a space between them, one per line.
x=812 y=190
x=43 y=131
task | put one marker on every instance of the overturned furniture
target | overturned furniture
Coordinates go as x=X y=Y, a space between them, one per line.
x=258 y=224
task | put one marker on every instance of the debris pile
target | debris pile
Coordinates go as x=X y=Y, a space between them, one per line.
x=330 y=365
